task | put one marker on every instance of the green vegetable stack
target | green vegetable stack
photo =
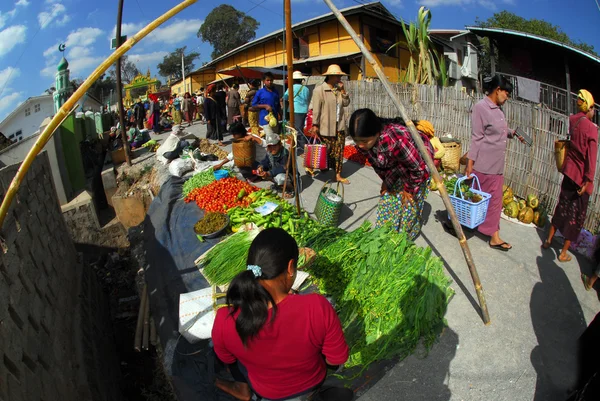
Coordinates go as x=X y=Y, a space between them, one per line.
x=210 y=223
x=389 y=293
x=199 y=180
x=228 y=258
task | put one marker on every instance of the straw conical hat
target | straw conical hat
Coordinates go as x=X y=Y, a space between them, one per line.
x=334 y=69
x=298 y=75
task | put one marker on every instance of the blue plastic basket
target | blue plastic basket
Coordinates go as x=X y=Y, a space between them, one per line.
x=219 y=174
x=470 y=214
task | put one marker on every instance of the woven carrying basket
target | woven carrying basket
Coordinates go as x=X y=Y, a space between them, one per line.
x=560 y=152
x=243 y=153
x=327 y=211
x=451 y=159
x=315 y=155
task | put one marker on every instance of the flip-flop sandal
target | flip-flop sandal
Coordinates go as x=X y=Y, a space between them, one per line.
x=584 y=278
x=500 y=246
x=567 y=259
x=344 y=181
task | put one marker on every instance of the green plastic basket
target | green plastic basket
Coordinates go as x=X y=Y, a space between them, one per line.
x=329 y=205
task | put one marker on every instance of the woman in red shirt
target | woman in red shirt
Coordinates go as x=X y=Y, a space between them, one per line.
x=578 y=170
x=276 y=344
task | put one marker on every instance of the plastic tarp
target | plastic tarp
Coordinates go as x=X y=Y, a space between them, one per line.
x=171 y=249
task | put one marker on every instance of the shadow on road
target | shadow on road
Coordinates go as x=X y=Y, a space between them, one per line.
x=558 y=321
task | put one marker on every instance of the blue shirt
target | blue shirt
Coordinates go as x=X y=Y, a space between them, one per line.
x=265 y=96
x=301 y=98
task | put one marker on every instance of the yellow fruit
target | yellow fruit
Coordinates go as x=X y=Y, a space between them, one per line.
x=526 y=215
x=522 y=204
x=433 y=185
x=532 y=201
x=512 y=209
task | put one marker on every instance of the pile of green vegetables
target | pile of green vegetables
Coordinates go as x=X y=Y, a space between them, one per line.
x=467 y=194
x=228 y=258
x=210 y=223
x=389 y=293
x=285 y=216
x=199 y=180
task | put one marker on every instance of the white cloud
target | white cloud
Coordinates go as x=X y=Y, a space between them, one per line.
x=23 y=3
x=79 y=47
x=128 y=28
x=11 y=37
x=83 y=37
x=78 y=51
x=55 y=10
x=176 y=32
x=3 y=19
x=9 y=102
x=7 y=75
x=147 y=59
x=9 y=97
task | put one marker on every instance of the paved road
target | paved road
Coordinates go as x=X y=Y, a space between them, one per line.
x=538 y=308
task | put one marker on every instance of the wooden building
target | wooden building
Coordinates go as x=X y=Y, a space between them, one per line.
x=317 y=43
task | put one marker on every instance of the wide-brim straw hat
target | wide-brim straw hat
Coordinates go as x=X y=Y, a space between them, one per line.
x=298 y=75
x=334 y=69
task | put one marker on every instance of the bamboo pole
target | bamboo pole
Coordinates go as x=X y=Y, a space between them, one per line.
x=290 y=86
x=120 y=87
x=421 y=146
x=139 y=327
x=146 y=331
x=68 y=105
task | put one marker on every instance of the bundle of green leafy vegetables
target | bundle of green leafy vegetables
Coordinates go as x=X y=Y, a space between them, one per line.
x=389 y=293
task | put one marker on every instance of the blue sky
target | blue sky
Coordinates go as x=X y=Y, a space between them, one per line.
x=30 y=30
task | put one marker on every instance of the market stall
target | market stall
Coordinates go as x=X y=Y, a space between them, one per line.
x=390 y=295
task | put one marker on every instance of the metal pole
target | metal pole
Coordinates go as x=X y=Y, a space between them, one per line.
x=290 y=87
x=183 y=72
x=421 y=146
x=120 y=87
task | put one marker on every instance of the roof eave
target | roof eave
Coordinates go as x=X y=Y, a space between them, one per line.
x=476 y=29
x=363 y=8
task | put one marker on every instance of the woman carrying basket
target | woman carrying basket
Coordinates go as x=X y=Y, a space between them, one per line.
x=488 y=153
x=578 y=170
x=390 y=149
x=329 y=103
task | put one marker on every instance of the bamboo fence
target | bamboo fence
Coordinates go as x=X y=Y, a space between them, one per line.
x=528 y=170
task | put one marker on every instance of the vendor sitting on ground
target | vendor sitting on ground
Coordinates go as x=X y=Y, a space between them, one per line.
x=164 y=122
x=239 y=133
x=172 y=147
x=273 y=166
x=135 y=137
x=277 y=344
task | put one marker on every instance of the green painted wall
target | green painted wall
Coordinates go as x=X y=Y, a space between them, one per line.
x=71 y=134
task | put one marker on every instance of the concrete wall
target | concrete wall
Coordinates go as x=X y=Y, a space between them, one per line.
x=28 y=125
x=17 y=152
x=55 y=336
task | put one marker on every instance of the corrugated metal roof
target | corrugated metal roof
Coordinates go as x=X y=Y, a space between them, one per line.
x=476 y=29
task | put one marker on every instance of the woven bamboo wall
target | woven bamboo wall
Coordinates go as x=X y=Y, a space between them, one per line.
x=528 y=170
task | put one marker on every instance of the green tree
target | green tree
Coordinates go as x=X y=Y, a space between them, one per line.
x=508 y=20
x=128 y=71
x=102 y=87
x=171 y=64
x=226 y=28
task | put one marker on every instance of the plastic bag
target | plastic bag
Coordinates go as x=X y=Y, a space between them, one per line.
x=179 y=167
